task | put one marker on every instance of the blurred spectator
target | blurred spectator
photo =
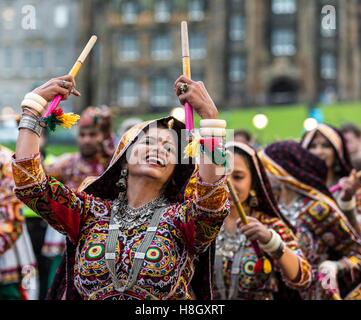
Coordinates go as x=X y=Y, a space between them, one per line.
x=127 y=124
x=352 y=134
x=244 y=136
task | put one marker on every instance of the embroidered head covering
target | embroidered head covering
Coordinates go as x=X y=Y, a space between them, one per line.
x=267 y=202
x=291 y=163
x=105 y=185
x=335 y=137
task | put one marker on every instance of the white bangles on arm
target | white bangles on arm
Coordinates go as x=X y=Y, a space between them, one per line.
x=275 y=247
x=34 y=102
x=347 y=205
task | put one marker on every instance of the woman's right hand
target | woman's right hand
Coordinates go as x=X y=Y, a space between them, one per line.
x=64 y=86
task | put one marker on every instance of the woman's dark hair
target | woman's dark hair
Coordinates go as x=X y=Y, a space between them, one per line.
x=342 y=166
x=266 y=202
x=350 y=127
x=244 y=133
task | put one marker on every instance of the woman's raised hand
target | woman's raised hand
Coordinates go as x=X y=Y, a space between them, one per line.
x=64 y=86
x=195 y=93
x=349 y=185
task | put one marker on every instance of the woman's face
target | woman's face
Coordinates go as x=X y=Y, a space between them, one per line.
x=154 y=155
x=323 y=149
x=241 y=178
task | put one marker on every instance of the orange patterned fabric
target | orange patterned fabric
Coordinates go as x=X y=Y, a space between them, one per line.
x=28 y=172
x=11 y=217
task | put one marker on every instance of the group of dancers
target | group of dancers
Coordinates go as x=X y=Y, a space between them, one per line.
x=136 y=221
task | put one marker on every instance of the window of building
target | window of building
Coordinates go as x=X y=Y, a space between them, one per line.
x=34 y=58
x=161 y=46
x=129 y=47
x=161 y=92
x=283 y=42
x=61 y=16
x=130 y=11
x=60 y=56
x=328 y=66
x=237 y=30
x=7 y=57
x=196 y=10
x=128 y=94
x=162 y=10
x=284 y=6
x=197 y=44
x=237 y=68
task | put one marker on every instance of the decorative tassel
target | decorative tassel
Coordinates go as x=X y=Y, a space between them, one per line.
x=23 y=293
x=67 y=120
x=267 y=266
x=192 y=148
x=258 y=268
x=58 y=118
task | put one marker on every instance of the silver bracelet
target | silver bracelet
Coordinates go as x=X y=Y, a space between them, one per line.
x=31 y=123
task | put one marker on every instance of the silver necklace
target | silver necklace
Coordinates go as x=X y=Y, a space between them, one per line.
x=128 y=217
x=293 y=211
x=228 y=244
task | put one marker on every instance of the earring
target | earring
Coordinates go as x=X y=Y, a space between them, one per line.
x=122 y=183
x=253 y=200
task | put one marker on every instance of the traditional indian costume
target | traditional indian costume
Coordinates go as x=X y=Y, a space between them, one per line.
x=17 y=260
x=235 y=267
x=323 y=231
x=160 y=251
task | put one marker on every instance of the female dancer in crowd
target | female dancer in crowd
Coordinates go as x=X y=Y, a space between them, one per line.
x=235 y=264
x=18 y=273
x=129 y=235
x=328 y=144
x=330 y=243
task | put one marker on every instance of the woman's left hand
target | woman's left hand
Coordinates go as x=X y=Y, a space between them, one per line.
x=197 y=95
x=349 y=186
x=256 y=231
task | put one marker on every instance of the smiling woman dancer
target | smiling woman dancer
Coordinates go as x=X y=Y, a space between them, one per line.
x=129 y=234
x=327 y=143
x=236 y=271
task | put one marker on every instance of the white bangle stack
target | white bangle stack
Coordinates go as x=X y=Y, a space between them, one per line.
x=275 y=247
x=213 y=128
x=34 y=102
x=347 y=205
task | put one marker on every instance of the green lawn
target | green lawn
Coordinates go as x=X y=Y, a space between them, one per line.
x=285 y=122
x=54 y=149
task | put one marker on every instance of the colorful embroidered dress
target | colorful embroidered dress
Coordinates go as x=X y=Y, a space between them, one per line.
x=236 y=277
x=72 y=170
x=16 y=252
x=185 y=232
x=323 y=231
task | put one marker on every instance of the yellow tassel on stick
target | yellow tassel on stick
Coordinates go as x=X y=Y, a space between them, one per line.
x=68 y=119
x=192 y=149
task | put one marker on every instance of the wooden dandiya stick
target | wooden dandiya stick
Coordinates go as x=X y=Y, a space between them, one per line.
x=73 y=72
x=242 y=214
x=237 y=202
x=186 y=63
x=337 y=187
